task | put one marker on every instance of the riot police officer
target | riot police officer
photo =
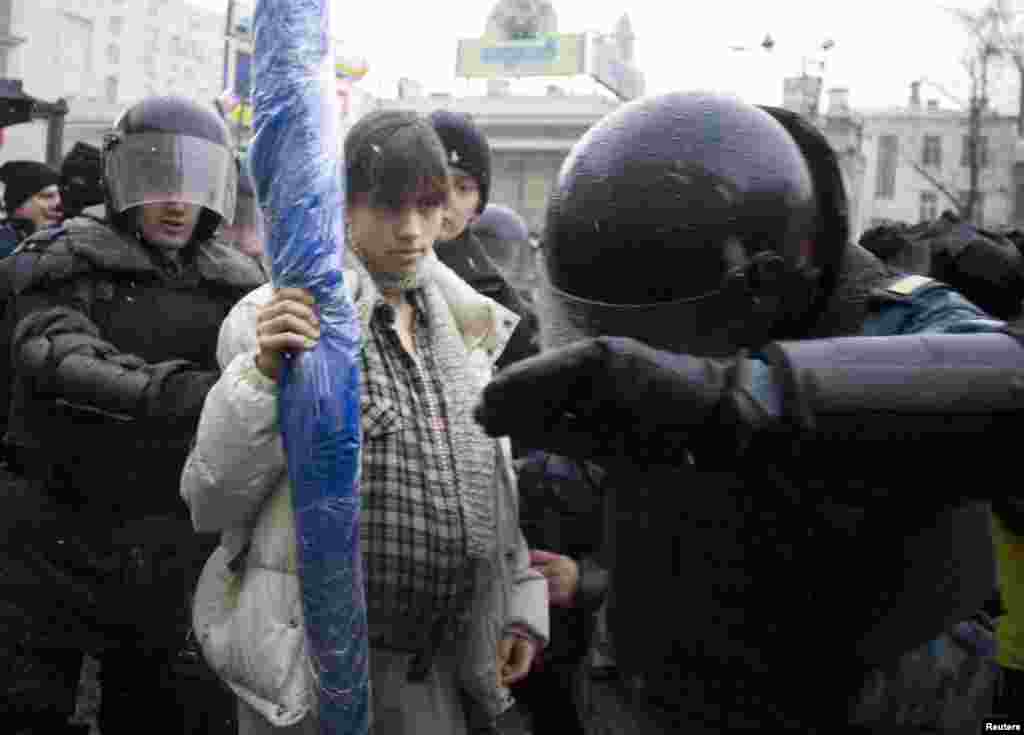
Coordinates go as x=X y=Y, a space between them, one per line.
x=506 y=241
x=793 y=534
x=114 y=335
x=983 y=265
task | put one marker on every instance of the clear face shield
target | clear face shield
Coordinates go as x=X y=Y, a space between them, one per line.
x=153 y=168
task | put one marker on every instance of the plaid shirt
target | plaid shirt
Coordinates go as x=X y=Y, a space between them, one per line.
x=413 y=529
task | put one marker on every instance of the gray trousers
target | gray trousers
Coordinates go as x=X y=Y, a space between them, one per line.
x=399 y=707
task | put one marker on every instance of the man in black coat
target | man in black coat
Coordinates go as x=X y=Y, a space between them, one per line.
x=114 y=332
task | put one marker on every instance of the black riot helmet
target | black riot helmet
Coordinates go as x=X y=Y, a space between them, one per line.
x=505 y=238
x=692 y=221
x=170 y=149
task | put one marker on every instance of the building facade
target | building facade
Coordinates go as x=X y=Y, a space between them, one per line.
x=918 y=165
x=101 y=55
x=909 y=164
x=530 y=137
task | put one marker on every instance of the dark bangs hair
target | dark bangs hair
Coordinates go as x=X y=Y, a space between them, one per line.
x=394 y=158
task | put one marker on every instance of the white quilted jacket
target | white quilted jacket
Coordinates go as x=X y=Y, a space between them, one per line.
x=250 y=623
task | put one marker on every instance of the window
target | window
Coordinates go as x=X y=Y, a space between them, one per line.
x=965 y=155
x=111 y=84
x=929 y=206
x=931 y=153
x=75 y=53
x=885 y=179
x=114 y=54
x=116 y=25
x=979 y=205
x=5 y=16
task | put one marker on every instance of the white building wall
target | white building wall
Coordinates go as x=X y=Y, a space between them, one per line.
x=529 y=136
x=995 y=181
x=103 y=55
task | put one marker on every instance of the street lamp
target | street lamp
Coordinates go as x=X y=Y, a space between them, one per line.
x=824 y=47
x=768 y=44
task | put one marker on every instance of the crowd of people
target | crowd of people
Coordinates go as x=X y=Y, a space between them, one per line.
x=677 y=470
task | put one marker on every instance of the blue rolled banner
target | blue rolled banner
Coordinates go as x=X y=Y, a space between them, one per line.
x=296 y=163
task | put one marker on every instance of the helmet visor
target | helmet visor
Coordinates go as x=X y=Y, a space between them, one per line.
x=153 y=168
x=709 y=325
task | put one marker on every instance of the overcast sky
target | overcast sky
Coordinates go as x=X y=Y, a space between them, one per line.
x=880 y=46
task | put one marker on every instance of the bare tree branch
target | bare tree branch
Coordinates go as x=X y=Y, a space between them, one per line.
x=988 y=32
x=937 y=183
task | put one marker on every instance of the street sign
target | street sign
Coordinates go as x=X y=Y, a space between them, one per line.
x=548 y=55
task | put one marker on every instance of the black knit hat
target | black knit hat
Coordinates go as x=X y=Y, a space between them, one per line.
x=24 y=179
x=466 y=148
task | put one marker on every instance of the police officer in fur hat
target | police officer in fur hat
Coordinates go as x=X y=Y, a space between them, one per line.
x=789 y=436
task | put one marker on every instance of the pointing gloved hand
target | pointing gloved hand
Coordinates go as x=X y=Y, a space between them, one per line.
x=616 y=398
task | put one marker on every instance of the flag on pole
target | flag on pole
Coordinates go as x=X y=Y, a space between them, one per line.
x=296 y=163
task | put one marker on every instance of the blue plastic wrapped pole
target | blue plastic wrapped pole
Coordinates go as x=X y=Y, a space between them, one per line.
x=295 y=160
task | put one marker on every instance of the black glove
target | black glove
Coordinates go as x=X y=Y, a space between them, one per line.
x=613 y=399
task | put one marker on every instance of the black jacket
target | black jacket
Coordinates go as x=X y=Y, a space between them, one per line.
x=773 y=568
x=112 y=359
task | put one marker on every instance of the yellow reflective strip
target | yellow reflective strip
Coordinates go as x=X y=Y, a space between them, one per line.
x=907 y=286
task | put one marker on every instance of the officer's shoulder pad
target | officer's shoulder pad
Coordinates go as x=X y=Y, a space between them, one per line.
x=42 y=239
x=903 y=288
x=46 y=257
